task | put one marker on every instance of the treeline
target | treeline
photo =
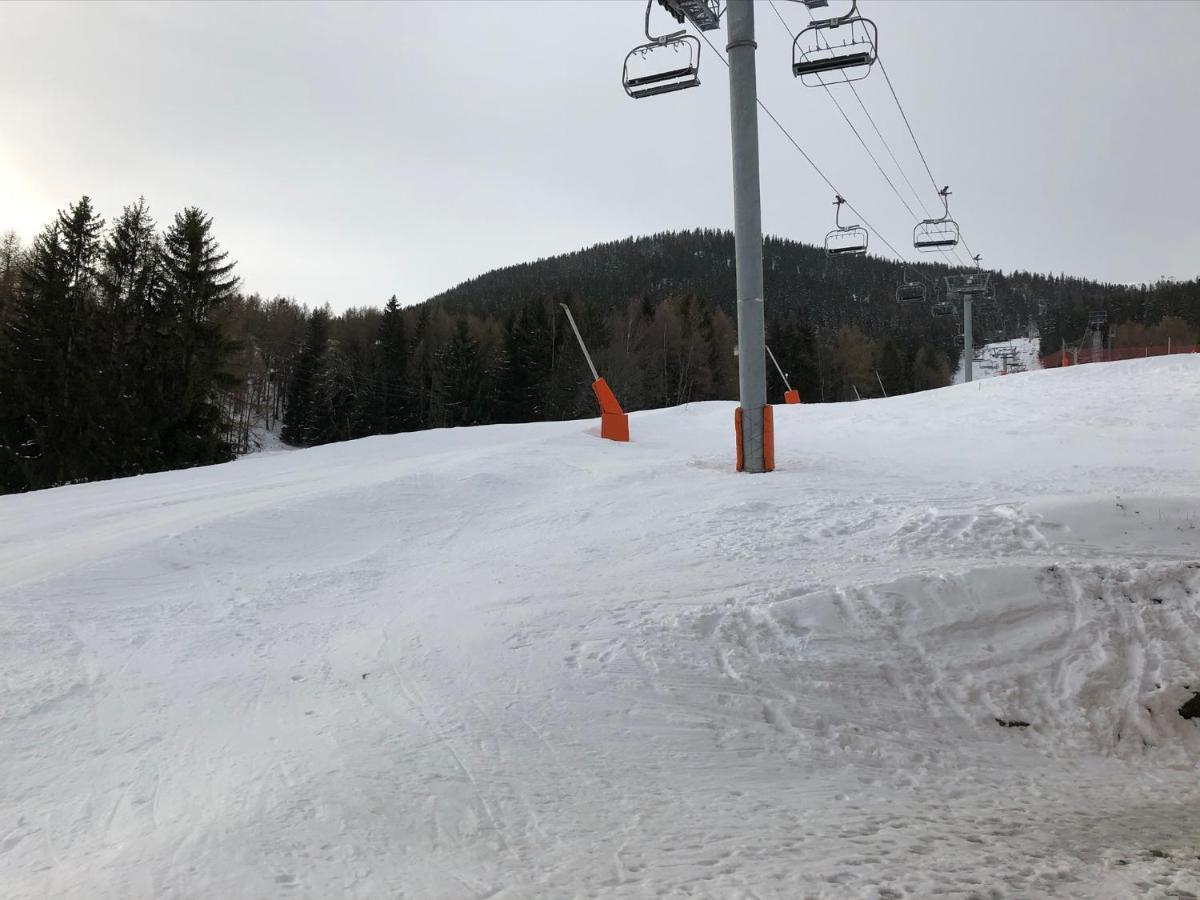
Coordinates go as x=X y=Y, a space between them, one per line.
x=126 y=349
x=111 y=358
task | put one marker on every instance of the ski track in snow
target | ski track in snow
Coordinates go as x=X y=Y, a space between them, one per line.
x=517 y=661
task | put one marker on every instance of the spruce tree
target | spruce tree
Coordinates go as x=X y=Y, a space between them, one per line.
x=48 y=377
x=391 y=388
x=197 y=278
x=298 y=415
x=130 y=283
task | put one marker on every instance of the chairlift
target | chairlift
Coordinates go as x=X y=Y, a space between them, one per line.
x=910 y=291
x=943 y=309
x=937 y=234
x=845 y=240
x=669 y=62
x=816 y=52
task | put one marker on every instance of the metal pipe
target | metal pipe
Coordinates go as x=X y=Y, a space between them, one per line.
x=582 y=345
x=747 y=231
x=777 y=367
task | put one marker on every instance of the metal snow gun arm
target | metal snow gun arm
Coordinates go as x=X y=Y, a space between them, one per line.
x=614 y=422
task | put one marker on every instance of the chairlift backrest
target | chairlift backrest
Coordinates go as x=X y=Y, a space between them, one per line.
x=911 y=292
x=937 y=234
x=845 y=240
x=943 y=309
x=662 y=67
x=835 y=50
x=668 y=62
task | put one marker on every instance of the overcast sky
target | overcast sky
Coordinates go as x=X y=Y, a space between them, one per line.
x=348 y=152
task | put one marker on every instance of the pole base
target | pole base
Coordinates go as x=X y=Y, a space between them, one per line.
x=767 y=463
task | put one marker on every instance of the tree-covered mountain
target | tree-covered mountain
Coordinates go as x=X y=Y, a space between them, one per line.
x=125 y=350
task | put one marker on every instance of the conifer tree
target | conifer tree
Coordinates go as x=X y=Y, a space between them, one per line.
x=391 y=402
x=47 y=374
x=302 y=391
x=197 y=278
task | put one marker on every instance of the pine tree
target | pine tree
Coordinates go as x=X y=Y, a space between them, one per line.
x=130 y=283
x=391 y=397
x=302 y=390
x=48 y=397
x=197 y=278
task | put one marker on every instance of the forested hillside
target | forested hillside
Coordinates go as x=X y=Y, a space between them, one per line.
x=126 y=349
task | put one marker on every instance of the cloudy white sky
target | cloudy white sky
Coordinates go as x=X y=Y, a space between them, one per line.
x=351 y=151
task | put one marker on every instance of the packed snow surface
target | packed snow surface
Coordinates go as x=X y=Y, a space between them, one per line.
x=520 y=661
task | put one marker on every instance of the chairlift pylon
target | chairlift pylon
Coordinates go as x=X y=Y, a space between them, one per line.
x=845 y=240
x=937 y=234
x=910 y=291
x=817 y=60
x=669 y=62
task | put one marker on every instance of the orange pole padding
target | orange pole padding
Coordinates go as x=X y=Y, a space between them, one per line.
x=614 y=423
x=740 y=462
x=792 y=396
x=768 y=439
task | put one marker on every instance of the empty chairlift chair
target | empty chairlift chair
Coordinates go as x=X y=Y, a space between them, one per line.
x=943 y=309
x=931 y=235
x=845 y=240
x=670 y=62
x=835 y=50
x=910 y=291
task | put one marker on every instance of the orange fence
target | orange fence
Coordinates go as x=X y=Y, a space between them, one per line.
x=1056 y=359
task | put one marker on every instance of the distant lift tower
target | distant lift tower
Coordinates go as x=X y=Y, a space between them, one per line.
x=968 y=287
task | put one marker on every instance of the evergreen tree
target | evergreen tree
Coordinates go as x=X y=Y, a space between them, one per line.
x=391 y=402
x=48 y=394
x=302 y=389
x=130 y=283
x=197 y=279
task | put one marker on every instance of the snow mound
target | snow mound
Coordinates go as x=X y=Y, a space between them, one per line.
x=519 y=661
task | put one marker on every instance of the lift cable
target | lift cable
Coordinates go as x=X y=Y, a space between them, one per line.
x=912 y=135
x=807 y=158
x=899 y=168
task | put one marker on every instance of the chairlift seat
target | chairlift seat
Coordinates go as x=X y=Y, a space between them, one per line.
x=657 y=77
x=910 y=293
x=676 y=78
x=815 y=54
x=833 y=63
x=938 y=242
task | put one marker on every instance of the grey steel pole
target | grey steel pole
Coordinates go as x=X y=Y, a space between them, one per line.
x=968 y=338
x=747 y=230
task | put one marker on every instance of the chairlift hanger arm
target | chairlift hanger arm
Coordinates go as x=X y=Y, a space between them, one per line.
x=664 y=38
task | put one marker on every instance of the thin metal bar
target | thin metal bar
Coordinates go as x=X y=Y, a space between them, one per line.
x=778 y=368
x=582 y=345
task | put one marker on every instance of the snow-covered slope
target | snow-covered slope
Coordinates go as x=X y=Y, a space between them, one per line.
x=520 y=661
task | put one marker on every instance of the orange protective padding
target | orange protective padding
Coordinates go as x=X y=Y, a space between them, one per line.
x=614 y=426
x=737 y=438
x=606 y=398
x=768 y=439
x=614 y=423
x=792 y=396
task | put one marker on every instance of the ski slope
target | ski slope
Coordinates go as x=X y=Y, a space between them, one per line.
x=519 y=661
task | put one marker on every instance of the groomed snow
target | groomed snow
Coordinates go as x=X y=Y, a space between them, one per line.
x=519 y=661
